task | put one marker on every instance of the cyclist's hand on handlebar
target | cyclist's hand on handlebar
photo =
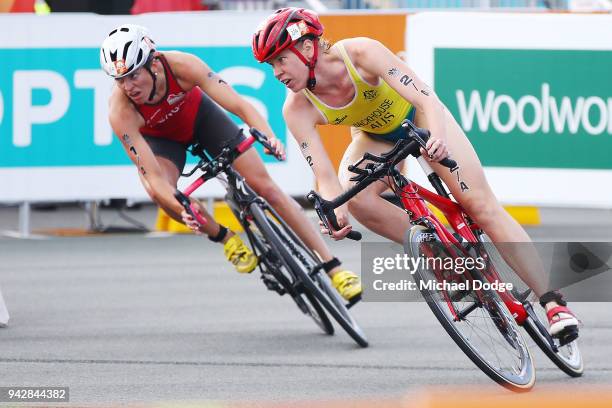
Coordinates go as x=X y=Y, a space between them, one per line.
x=279 y=149
x=343 y=222
x=436 y=149
x=191 y=222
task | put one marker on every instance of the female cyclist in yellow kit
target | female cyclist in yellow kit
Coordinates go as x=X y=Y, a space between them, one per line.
x=358 y=82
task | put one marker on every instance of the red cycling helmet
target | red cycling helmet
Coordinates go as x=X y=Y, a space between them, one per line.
x=282 y=30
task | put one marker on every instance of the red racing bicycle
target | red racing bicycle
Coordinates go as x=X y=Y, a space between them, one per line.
x=482 y=319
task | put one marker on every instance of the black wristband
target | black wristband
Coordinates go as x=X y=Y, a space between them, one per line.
x=331 y=264
x=220 y=236
x=552 y=296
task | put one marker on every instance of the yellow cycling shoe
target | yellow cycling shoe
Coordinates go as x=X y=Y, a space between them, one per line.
x=347 y=284
x=240 y=255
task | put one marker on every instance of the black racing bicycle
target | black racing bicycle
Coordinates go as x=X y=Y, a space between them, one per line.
x=286 y=264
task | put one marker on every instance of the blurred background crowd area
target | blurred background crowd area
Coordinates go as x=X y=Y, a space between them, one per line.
x=146 y=6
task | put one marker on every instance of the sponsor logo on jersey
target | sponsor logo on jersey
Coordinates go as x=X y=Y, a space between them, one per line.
x=370 y=94
x=174 y=98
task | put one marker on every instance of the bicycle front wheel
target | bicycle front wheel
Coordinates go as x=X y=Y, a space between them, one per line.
x=302 y=262
x=477 y=320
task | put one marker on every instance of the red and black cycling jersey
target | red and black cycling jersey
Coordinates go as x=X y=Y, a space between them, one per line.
x=174 y=116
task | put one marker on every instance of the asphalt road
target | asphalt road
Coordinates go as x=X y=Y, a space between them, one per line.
x=135 y=319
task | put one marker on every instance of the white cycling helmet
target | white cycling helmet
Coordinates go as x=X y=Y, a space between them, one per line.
x=126 y=49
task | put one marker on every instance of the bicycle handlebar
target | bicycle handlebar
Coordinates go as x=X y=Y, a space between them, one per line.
x=228 y=155
x=417 y=138
x=210 y=168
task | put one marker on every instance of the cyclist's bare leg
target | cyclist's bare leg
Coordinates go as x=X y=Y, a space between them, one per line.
x=250 y=165
x=374 y=212
x=482 y=205
x=172 y=174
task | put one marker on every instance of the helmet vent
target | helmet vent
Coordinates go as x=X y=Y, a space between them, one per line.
x=112 y=32
x=139 y=58
x=124 y=29
x=126 y=47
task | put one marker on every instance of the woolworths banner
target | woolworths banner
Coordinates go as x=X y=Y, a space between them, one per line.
x=55 y=140
x=534 y=98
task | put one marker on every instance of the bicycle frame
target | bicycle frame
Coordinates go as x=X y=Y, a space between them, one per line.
x=239 y=194
x=413 y=197
x=460 y=241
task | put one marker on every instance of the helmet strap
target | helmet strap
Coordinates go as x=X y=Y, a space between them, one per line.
x=312 y=81
x=148 y=68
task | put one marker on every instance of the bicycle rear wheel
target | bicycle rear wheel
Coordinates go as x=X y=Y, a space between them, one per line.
x=302 y=262
x=477 y=320
x=568 y=357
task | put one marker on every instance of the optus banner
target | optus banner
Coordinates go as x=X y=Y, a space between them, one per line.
x=55 y=139
x=56 y=113
x=531 y=108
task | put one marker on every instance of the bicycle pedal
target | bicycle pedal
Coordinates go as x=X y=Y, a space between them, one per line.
x=354 y=300
x=272 y=284
x=568 y=335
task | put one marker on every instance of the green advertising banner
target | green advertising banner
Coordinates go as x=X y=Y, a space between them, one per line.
x=531 y=107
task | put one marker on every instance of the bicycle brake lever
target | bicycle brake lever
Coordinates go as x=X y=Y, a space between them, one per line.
x=263 y=139
x=189 y=208
x=327 y=216
x=421 y=136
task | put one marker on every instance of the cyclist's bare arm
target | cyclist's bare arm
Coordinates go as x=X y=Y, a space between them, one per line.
x=373 y=57
x=126 y=122
x=301 y=118
x=192 y=71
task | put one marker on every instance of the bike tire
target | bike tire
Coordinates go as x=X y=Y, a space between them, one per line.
x=279 y=270
x=568 y=357
x=286 y=243
x=519 y=378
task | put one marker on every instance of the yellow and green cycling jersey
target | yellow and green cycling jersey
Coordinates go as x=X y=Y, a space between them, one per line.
x=378 y=110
